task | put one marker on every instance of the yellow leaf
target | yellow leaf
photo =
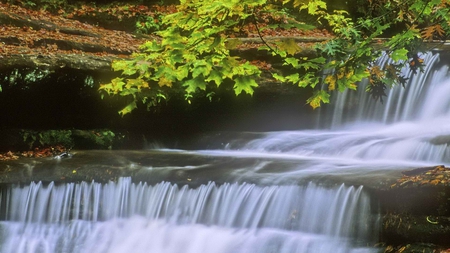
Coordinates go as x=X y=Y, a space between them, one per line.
x=352 y=86
x=164 y=82
x=331 y=81
x=290 y=46
x=232 y=44
x=376 y=71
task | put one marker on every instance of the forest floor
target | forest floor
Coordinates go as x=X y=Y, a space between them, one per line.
x=108 y=32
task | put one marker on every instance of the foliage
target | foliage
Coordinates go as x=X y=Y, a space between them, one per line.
x=47 y=138
x=96 y=138
x=47 y=5
x=149 y=23
x=192 y=55
x=194 y=52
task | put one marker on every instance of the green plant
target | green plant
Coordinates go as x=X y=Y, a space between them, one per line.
x=148 y=24
x=48 y=5
x=47 y=138
x=194 y=53
x=96 y=138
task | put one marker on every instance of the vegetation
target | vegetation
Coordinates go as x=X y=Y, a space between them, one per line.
x=196 y=52
x=97 y=138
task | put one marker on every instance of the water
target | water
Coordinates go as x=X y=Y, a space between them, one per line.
x=241 y=192
x=128 y=217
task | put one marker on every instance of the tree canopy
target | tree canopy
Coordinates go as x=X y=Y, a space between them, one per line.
x=198 y=49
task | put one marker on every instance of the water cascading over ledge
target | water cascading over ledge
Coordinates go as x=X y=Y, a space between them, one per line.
x=423 y=97
x=166 y=218
x=253 y=203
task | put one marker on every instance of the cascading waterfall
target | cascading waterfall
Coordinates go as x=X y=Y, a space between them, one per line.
x=129 y=217
x=358 y=139
x=417 y=100
x=411 y=129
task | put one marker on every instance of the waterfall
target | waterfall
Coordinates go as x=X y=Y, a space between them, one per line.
x=410 y=129
x=129 y=217
x=272 y=192
x=417 y=100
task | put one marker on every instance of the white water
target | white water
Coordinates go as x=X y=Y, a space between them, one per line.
x=358 y=138
x=127 y=217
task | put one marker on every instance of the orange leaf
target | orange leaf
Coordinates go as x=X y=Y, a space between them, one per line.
x=435 y=182
x=429 y=32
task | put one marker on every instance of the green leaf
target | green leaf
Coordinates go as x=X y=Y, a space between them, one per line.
x=293 y=78
x=318 y=60
x=332 y=48
x=201 y=67
x=182 y=72
x=279 y=77
x=313 y=6
x=400 y=54
x=244 y=84
x=318 y=98
x=308 y=80
x=193 y=84
x=292 y=61
x=215 y=76
x=129 y=108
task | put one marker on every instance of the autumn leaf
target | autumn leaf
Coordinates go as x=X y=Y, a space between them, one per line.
x=435 y=182
x=290 y=46
x=232 y=44
x=163 y=81
x=130 y=107
x=318 y=98
x=376 y=72
x=429 y=32
x=331 y=81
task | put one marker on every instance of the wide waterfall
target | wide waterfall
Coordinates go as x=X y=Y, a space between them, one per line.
x=271 y=192
x=128 y=217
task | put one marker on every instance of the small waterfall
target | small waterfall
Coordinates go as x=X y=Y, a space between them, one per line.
x=166 y=218
x=417 y=100
x=411 y=129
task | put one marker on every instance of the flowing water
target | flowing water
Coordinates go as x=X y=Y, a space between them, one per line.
x=242 y=192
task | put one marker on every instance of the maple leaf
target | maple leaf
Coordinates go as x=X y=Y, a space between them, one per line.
x=244 y=83
x=429 y=32
x=192 y=84
x=318 y=97
x=400 y=54
x=232 y=44
x=130 y=107
x=377 y=72
x=313 y=6
x=215 y=76
x=163 y=81
x=291 y=61
x=290 y=46
x=331 y=81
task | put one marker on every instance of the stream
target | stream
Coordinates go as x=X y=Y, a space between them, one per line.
x=299 y=191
